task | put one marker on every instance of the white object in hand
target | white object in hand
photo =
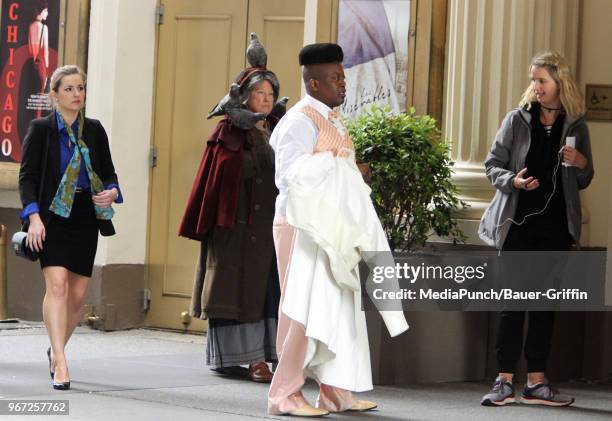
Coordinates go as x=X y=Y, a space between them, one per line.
x=571 y=142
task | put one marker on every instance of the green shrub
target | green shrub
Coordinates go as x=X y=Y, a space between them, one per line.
x=411 y=186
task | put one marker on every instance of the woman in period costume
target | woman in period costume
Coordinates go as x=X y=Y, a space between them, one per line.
x=230 y=211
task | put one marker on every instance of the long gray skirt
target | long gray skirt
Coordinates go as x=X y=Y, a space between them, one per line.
x=241 y=343
x=231 y=343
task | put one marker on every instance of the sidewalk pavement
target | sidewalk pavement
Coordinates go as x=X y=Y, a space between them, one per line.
x=156 y=375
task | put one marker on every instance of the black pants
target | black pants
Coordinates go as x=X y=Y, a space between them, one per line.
x=539 y=323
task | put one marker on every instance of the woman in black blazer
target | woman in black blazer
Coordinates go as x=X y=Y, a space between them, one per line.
x=67 y=184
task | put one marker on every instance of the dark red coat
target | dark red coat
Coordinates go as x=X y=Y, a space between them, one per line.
x=214 y=195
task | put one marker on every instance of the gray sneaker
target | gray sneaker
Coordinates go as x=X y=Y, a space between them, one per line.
x=545 y=394
x=501 y=393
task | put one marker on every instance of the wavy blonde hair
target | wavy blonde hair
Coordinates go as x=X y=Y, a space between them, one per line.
x=558 y=69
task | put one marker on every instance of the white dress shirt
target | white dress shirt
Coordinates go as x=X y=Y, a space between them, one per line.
x=294 y=136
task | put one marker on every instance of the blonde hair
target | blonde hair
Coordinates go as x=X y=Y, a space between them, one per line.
x=558 y=69
x=61 y=72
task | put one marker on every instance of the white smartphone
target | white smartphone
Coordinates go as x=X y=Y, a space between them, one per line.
x=571 y=142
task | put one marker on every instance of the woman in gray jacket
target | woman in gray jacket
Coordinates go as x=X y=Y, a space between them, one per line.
x=536 y=207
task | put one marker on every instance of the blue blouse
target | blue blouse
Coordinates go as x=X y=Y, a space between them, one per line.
x=67 y=150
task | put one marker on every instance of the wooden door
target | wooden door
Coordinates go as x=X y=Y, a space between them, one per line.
x=200 y=48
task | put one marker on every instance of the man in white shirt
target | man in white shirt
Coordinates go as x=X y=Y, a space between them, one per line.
x=312 y=126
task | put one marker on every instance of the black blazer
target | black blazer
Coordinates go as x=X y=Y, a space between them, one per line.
x=42 y=139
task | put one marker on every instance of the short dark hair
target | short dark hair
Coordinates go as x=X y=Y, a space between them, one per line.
x=320 y=54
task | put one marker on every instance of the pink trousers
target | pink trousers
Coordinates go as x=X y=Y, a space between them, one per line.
x=285 y=391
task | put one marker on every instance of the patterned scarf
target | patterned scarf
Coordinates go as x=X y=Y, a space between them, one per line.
x=64 y=197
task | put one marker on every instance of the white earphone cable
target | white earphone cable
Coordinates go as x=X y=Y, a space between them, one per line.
x=554 y=183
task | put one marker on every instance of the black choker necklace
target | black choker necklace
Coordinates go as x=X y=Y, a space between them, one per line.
x=550 y=109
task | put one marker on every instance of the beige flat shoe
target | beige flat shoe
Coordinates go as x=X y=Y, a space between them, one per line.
x=362 y=406
x=308 y=411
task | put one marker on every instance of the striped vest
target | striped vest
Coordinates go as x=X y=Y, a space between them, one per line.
x=330 y=138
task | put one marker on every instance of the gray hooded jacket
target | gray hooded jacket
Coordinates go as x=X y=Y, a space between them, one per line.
x=507 y=158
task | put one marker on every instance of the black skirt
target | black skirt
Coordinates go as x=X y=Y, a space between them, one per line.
x=72 y=242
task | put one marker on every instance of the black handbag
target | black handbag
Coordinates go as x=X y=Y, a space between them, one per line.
x=18 y=242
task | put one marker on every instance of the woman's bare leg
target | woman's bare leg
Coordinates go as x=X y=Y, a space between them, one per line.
x=55 y=315
x=77 y=288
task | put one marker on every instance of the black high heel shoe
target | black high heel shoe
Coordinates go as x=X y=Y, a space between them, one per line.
x=61 y=385
x=51 y=372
